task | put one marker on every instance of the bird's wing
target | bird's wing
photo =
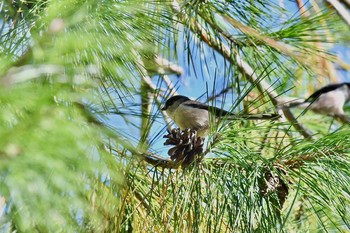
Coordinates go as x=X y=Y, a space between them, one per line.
x=222 y=113
x=216 y=111
x=323 y=90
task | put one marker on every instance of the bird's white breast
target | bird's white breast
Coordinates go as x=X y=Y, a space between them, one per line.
x=330 y=103
x=187 y=117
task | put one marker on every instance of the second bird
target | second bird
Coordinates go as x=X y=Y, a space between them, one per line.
x=329 y=100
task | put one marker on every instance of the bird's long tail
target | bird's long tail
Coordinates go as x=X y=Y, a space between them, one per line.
x=297 y=105
x=262 y=116
x=290 y=102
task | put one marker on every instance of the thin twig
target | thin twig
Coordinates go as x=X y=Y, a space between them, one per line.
x=343 y=64
x=342 y=11
x=302 y=8
x=250 y=74
x=157 y=160
x=224 y=50
x=170 y=85
x=29 y=72
x=165 y=65
x=325 y=65
x=278 y=45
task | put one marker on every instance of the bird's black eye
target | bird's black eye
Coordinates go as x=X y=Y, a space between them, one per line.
x=169 y=102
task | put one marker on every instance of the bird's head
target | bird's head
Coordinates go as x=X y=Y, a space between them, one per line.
x=173 y=102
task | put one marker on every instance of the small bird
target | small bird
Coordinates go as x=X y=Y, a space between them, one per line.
x=329 y=100
x=191 y=114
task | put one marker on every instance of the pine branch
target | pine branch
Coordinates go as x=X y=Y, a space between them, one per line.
x=223 y=49
x=341 y=10
x=278 y=45
x=29 y=72
x=343 y=64
x=158 y=161
x=165 y=65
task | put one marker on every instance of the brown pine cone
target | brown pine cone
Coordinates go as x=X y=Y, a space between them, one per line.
x=186 y=145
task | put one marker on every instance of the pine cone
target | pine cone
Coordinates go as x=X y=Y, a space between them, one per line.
x=273 y=183
x=186 y=146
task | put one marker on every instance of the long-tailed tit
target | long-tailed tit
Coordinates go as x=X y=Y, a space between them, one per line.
x=191 y=114
x=329 y=100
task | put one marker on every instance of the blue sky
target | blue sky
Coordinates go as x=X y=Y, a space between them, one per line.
x=198 y=78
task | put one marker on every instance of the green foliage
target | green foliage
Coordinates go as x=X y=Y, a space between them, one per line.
x=49 y=161
x=80 y=91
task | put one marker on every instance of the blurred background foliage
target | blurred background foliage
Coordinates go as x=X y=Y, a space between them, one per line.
x=81 y=128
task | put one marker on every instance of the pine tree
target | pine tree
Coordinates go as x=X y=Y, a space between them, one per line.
x=81 y=130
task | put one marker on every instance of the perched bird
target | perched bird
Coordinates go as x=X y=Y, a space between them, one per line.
x=329 y=100
x=191 y=114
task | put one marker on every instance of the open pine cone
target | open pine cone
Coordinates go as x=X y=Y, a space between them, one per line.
x=187 y=145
